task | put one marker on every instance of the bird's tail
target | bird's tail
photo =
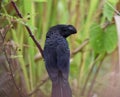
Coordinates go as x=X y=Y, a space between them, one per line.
x=61 y=88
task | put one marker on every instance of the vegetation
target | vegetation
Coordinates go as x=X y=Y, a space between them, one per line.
x=94 y=50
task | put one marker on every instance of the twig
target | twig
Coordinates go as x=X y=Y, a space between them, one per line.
x=80 y=47
x=37 y=87
x=28 y=29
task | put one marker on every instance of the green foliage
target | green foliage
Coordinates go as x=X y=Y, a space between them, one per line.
x=97 y=40
x=111 y=38
x=109 y=7
x=104 y=40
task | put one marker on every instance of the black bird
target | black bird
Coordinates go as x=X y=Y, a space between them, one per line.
x=57 y=59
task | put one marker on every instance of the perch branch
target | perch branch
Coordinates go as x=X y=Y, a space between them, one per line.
x=28 y=28
x=80 y=47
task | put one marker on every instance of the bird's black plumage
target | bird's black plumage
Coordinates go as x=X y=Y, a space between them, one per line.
x=57 y=59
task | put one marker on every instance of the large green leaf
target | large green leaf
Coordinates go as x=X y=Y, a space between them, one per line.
x=97 y=40
x=110 y=40
x=104 y=40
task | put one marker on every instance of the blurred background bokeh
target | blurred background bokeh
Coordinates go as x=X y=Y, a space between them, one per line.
x=94 y=69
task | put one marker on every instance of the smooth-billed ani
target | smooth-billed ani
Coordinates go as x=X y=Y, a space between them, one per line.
x=57 y=59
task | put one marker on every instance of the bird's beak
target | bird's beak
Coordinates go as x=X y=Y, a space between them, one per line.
x=72 y=29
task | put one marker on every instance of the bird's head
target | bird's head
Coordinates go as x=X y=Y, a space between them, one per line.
x=63 y=30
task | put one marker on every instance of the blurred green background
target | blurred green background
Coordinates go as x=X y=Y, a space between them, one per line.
x=93 y=49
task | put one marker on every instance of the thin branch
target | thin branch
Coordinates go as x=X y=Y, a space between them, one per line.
x=28 y=29
x=80 y=47
x=37 y=87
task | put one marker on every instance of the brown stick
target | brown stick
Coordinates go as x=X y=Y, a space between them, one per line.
x=80 y=47
x=28 y=29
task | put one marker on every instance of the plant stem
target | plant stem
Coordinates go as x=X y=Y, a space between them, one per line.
x=95 y=76
x=89 y=74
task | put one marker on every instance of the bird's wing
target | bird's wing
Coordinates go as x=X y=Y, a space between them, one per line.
x=63 y=56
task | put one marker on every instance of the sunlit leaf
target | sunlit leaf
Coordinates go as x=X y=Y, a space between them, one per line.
x=110 y=39
x=104 y=40
x=97 y=40
x=108 y=12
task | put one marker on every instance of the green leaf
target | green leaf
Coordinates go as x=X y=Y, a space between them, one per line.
x=109 y=7
x=110 y=40
x=104 y=40
x=97 y=40
x=108 y=12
